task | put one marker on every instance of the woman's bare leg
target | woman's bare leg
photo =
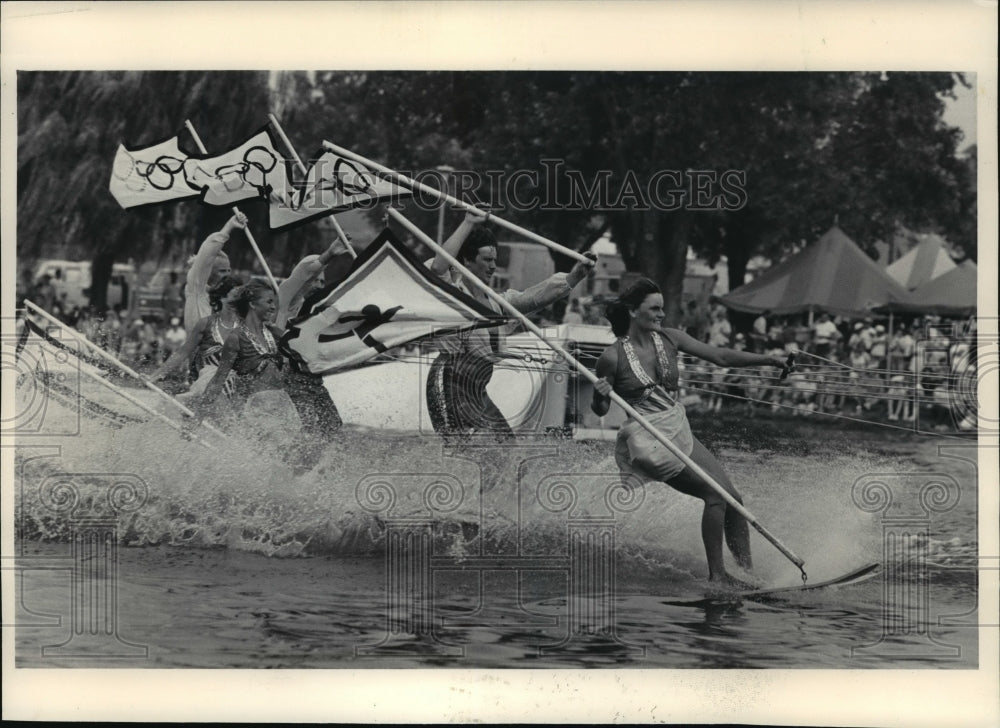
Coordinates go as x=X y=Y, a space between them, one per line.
x=718 y=520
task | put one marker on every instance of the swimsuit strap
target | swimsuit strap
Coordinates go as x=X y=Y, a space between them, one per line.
x=662 y=362
x=268 y=348
x=218 y=328
x=639 y=372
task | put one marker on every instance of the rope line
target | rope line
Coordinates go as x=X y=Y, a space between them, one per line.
x=843 y=417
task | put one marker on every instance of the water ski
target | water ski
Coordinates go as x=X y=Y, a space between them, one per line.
x=851 y=577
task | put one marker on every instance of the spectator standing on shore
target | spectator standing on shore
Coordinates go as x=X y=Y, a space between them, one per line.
x=825 y=334
x=146 y=342
x=788 y=334
x=758 y=333
x=857 y=341
x=130 y=337
x=775 y=335
x=174 y=337
x=573 y=315
x=720 y=331
x=879 y=347
x=591 y=315
x=695 y=321
x=86 y=324
x=109 y=332
x=901 y=350
x=859 y=360
x=868 y=334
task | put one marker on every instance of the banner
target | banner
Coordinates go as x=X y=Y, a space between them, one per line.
x=251 y=170
x=48 y=372
x=333 y=184
x=163 y=173
x=389 y=298
x=150 y=176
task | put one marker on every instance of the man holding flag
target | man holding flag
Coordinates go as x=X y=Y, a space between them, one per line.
x=208 y=266
x=457 y=400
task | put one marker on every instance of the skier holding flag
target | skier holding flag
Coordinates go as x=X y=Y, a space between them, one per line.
x=456 y=383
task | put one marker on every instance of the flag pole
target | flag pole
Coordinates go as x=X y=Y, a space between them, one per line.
x=109 y=358
x=413 y=184
x=246 y=231
x=302 y=167
x=141 y=405
x=592 y=378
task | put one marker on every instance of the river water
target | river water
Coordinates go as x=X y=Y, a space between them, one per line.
x=137 y=548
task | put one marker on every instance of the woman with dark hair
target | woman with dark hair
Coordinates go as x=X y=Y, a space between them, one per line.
x=203 y=346
x=641 y=367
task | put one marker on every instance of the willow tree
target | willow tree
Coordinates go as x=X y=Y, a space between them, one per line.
x=70 y=125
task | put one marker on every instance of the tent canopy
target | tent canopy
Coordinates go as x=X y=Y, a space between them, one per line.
x=926 y=261
x=951 y=294
x=833 y=274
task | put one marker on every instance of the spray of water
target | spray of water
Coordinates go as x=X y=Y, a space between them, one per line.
x=260 y=492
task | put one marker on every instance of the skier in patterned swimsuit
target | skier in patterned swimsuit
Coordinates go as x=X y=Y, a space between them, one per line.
x=203 y=346
x=250 y=351
x=641 y=367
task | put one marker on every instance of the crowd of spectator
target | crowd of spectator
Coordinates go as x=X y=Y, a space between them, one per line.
x=856 y=367
x=844 y=366
x=141 y=342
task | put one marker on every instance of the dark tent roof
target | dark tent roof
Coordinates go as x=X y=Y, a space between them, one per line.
x=950 y=294
x=833 y=274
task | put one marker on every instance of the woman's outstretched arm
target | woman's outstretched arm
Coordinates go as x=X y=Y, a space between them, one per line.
x=720 y=356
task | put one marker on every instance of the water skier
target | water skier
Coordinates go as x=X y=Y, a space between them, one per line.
x=641 y=367
x=456 y=383
x=250 y=349
x=207 y=267
x=201 y=350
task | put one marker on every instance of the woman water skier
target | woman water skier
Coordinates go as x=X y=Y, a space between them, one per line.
x=203 y=346
x=641 y=367
x=250 y=349
x=250 y=363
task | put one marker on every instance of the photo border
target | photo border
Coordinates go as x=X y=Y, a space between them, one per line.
x=524 y=35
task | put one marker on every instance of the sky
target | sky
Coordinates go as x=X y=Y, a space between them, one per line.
x=961 y=112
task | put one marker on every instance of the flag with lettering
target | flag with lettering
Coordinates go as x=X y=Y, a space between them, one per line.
x=389 y=298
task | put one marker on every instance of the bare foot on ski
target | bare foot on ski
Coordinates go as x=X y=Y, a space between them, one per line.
x=728 y=582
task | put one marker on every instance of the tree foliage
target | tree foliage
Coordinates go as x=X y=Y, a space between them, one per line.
x=70 y=125
x=869 y=150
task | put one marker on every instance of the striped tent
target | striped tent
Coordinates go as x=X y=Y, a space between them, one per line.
x=926 y=261
x=833 y=275
x=951 y=294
